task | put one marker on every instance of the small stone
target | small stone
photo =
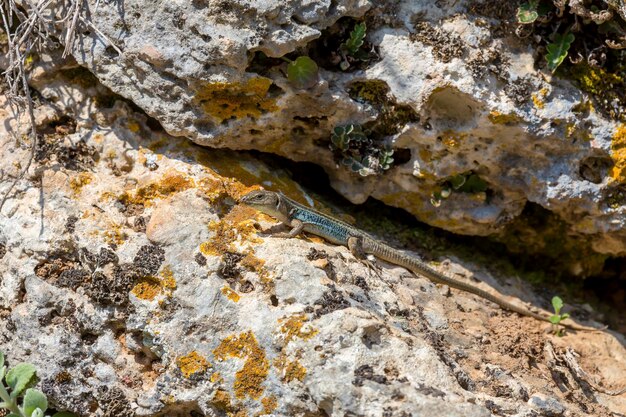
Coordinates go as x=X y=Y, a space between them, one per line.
x=548 y=406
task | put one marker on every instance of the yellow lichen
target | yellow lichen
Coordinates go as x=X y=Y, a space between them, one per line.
x=269 y=404
x=171 y=182
x=192 y=364
x=294 y=326
x=498 y=118
x=289 y=370
x=221 y=400
x=133 y=126
x=226 y=101
x=249 y=379
x=230 y=294
x=79 y=181
x=539 y=97
x=618 y=154
x=168 y=281
x=452 y=139
x=147 y=288
x=114 y=235
x=237 y=224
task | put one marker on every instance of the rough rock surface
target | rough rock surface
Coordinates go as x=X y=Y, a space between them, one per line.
x=137 y=286
x=460 y=100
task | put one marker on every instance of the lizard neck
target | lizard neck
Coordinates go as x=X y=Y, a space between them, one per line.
x=280 y=211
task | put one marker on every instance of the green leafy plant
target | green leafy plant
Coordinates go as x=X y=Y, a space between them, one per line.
x=467 y=182
x=558 y=49
x=12 y=385
x=527 y=12
x=302 y=72
x=343 y=135
x=359 y=152
x=557 y=317
x=352 y=46
x=355 y=41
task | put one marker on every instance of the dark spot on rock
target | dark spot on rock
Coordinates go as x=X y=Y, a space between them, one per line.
x=332 y=300
x=274 y=300
x=107 y=256
x=200 y=259
x=140 y=224
x=72 y=278
x=149 y=258
x=70 y=224
x=114 y=403
x=114 y=290
x=362 y=284
x=228 y=269
x=446 y=45
x=366 y=372
x=315 y=254
x=76 y=157
x=56 y=262
x=430 y=391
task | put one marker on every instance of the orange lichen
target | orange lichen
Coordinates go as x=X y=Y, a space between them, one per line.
x=452 y=139
x=171 y=182
x=538 y=98
x=249 y=379
x=290 y=370
x=498 y=118
x=221 y=400
x=192 y=364
x=147 y=288
x=230 y=294
x=225 y=101
x=114 y=235
x=168 y=281
x=215 y=377
x=237 y=224
x=133 y=126
x=269 y=404
x=294 y=326
x=618 y=154
x=79 y=181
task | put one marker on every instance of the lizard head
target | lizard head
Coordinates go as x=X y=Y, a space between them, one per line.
x=261 y=200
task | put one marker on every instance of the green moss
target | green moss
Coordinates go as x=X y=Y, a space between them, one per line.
x=606 y=88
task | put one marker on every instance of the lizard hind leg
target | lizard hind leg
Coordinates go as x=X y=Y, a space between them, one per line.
x=355 y=245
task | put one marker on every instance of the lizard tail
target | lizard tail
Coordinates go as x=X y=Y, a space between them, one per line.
x=392 y=255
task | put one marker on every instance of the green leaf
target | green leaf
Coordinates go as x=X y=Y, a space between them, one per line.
x=1 y=360
x=20 y=376
x=557 y=304
x=34 y=399
x=555 y=319
x=527 y=12
x=302 y=72
x=457 y=181
x=474 y=184
x=64 y=414
x=564 y=316
x=557 y=50
x=355 y=41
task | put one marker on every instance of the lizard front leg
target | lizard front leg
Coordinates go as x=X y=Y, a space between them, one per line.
x=297 y=227
x=355 y=245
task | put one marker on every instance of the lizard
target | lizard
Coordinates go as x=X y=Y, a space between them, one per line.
x=304 y=219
